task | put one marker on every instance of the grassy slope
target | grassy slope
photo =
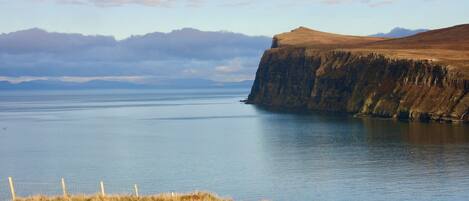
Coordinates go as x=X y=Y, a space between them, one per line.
x=448 y=46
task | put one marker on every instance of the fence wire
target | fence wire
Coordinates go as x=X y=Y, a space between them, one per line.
x=24 y=189
x=27 y=189
x=4 y=190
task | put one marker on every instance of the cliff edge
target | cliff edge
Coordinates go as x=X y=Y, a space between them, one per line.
x=422 y=77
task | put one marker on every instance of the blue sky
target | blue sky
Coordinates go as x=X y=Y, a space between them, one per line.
x=122 y=18
x=38 y=54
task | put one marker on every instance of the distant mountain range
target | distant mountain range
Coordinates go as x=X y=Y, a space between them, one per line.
x=182 y=58
x=399 y=32
x=179 y=54
x=100 y=84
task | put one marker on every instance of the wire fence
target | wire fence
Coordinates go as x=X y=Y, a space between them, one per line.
x=11 y=189
x=4 y=191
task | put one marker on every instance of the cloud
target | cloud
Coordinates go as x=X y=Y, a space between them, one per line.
x=16 y=80
x=236 y=3
x=198 y=3
x=190 y=72
x=236 y=69
x=232 y=67
x=371 y=3
x=115 y=3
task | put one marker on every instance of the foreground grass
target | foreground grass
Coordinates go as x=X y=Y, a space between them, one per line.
x=197 y=196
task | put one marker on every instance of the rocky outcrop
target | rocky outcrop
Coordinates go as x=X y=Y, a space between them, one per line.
x=360 y=83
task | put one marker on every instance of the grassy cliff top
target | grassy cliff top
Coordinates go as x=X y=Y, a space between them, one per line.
x=447 y=46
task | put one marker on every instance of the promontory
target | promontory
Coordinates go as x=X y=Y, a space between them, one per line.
x=424 y=77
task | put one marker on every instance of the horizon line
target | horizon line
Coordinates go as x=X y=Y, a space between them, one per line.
x=201 y=30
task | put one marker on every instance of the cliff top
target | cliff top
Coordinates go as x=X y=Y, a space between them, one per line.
x=449 y=46
x=303 y=36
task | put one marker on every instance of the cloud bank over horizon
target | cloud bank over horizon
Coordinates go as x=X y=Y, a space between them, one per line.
x=181 y=54
x=192 y=3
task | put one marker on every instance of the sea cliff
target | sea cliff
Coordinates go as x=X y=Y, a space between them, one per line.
x=360 y=82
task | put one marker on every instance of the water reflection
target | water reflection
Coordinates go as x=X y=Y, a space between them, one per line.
x=416 y=132
x=339 y=156
x=370 y=130
x=181 y=141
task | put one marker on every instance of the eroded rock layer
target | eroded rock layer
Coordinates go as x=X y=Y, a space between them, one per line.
x=361 y=83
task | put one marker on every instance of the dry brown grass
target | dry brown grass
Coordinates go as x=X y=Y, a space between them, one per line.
x=197 y=196
x=312 y=38
x=447 y=46
x=450 y=57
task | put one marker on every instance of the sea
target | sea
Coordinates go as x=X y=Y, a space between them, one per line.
x=185 y=140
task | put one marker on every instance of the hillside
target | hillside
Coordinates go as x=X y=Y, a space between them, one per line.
x=452 y=38
x=448 y=45
x=422 y=77
x=312 y=38
x=185 y=53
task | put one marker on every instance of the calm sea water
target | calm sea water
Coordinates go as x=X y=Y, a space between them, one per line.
x=186 y=140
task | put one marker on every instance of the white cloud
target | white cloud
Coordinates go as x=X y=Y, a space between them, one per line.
x=233 y=66
x=197 y=3
x=235 y=70
x=190 y=71
x=134 y=79
x=114 y=3
x=20 y=79
x=372 y=3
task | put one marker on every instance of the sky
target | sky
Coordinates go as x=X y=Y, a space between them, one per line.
x=123 y=18
x=144 y=41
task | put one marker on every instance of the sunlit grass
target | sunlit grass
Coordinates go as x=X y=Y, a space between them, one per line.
x=197 y=196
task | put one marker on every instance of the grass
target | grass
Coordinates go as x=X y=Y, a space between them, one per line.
x=448 y=46
x=196 y=196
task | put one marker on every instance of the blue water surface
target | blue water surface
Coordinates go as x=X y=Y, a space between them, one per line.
x=206 y=139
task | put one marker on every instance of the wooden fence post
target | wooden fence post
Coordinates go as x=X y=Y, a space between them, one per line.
x=64 y=188
x=12 y=189
x=102 y=189
x=136 y=190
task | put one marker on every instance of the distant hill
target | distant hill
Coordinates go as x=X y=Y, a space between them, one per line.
x=312 y=38
x=100 y=84
x=448 y=39
x=399 y=32
x=451 y=38
x=178 y=54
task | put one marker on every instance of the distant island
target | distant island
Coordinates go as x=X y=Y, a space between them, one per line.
x=399 y=32
x=40 y=59
x=421 y=77
x=105 y=84
x=184 y=58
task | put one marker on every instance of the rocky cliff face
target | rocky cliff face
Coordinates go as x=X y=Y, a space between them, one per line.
x=360 y=83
